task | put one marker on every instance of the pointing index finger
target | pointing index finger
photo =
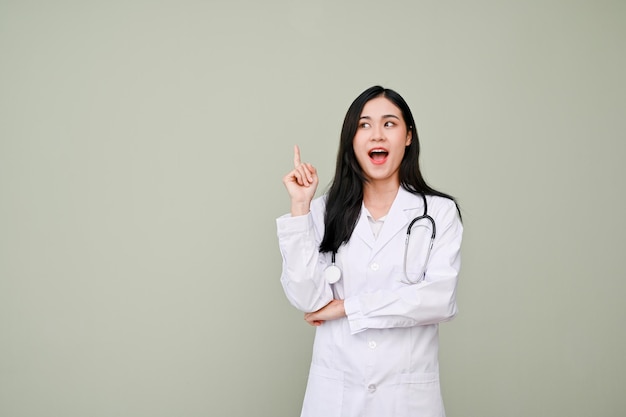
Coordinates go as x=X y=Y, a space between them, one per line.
x=296 y=156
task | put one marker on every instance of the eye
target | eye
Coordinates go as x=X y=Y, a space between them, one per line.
x=364 y=125
x=389 y=124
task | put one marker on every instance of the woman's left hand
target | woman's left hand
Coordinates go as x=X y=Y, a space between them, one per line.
x=331 y=311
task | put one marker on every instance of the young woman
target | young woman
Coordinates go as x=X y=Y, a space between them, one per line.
x=376 y=300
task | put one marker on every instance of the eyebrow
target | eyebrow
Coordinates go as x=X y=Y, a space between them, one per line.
x=383 y=117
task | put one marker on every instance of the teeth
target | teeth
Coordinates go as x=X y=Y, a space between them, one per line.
x=383 y=153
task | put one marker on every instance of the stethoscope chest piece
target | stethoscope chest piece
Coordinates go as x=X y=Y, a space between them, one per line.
x=332 y=273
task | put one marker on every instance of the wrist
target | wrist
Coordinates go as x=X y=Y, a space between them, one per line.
x=300 y=208
x=342 y=308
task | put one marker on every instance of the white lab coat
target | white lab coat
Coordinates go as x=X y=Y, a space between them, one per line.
x=382 y=359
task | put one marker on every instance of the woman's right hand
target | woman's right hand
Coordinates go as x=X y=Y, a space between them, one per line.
x=301 y=184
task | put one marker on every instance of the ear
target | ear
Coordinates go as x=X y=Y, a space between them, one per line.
x=409 y=136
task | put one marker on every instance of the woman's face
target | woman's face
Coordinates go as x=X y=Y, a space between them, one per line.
x=380 y=140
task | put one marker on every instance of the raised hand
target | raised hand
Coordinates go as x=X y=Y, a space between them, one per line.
x=301 y=184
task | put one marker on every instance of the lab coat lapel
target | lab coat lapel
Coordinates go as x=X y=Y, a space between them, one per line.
x=363 y=229
x=400 y=214
x=404 y=208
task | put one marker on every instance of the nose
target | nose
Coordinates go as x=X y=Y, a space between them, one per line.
x=377 y=133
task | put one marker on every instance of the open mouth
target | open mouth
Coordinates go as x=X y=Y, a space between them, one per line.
x=378 y=155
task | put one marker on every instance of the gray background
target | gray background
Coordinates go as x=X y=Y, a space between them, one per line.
x=142 y=146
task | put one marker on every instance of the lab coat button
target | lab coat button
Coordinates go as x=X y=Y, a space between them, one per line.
x=371 y=387
x=374 y=266
x=372 y=344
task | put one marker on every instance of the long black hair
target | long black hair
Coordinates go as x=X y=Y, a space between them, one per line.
x=345 y=196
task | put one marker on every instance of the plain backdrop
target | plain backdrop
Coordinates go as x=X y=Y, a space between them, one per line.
x=142 y=147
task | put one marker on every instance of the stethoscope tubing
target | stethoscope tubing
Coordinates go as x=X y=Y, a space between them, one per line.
x=433 y=234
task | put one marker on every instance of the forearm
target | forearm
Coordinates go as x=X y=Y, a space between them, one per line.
x=302 y=274
x=331 y=311
x=417 y=305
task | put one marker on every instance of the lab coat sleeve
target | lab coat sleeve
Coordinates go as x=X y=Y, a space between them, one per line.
x=430 y=301
x=302 y=275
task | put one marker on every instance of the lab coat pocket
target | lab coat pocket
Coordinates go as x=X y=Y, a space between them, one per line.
x=324 y=392
x=419 y=394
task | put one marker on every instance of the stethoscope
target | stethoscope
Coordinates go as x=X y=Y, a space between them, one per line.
x=332 y=273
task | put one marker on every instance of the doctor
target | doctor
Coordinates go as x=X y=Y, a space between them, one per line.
x=376 y=343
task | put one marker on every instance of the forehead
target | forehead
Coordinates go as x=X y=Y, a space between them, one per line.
x=380 y=107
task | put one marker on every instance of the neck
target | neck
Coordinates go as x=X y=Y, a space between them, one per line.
x=378 y=197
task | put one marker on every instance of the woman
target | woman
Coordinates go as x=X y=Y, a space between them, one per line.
x=375 y=302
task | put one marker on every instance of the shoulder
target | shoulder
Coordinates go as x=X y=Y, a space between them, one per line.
x=435 y=203
x=442 y=207
x=440 y=202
